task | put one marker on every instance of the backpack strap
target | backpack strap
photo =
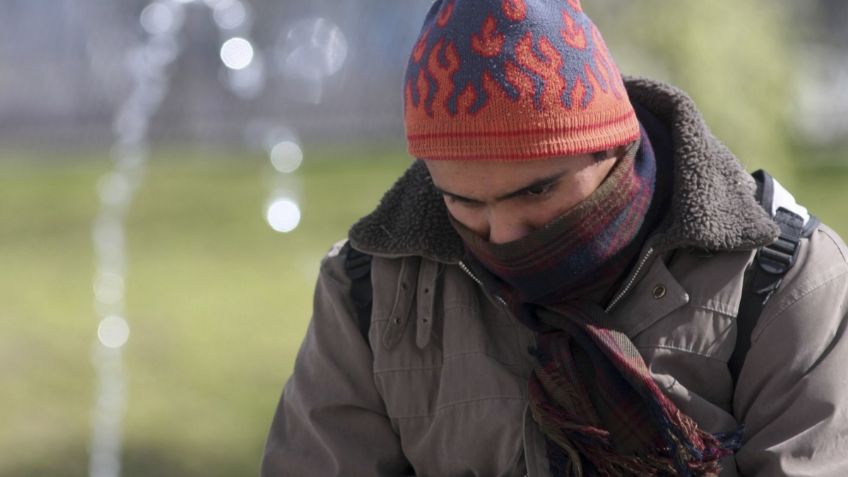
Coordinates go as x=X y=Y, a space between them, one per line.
x=771 y=263
x=358 y=269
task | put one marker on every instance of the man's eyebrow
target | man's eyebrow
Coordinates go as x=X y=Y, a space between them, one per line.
x=542 y=182
x=456 y=196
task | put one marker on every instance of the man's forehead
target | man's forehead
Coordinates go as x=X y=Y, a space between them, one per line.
x=489 y=180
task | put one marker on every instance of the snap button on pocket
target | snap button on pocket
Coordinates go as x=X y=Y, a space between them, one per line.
x=659 y=291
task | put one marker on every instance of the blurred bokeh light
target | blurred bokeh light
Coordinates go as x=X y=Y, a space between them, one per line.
x=286 y=156
x=283 y=215
x=113 y=331
x=237 y=53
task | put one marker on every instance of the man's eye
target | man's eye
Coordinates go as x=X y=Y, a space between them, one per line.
x=539 y=190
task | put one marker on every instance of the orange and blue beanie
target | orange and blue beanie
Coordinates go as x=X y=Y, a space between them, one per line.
x=513 y=80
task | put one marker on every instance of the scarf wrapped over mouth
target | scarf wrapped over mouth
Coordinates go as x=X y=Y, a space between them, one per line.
x=591 y=392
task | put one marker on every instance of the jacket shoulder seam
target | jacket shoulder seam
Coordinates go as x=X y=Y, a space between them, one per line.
x=767 y=322
x=836 y=243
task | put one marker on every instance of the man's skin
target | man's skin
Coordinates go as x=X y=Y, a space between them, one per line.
x=504 y=201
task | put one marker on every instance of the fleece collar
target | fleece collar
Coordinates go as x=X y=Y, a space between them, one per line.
x=712 y=207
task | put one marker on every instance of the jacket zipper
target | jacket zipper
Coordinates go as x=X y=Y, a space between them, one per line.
x=473 y=277
x=633 y=277
x=468 y=272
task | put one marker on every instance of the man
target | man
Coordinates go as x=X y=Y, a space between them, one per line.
x=555 y=283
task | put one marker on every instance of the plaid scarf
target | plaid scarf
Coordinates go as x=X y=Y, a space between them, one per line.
x=591 y=393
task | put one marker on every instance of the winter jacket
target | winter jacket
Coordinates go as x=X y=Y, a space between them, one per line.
x=440 y=386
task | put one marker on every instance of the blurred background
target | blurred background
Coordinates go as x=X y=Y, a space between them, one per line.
x=172 y=172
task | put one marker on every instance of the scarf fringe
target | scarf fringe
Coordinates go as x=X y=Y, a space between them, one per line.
x=560 y=405
x=592 y=455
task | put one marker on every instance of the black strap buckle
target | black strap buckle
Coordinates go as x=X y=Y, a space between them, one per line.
x=779 y=256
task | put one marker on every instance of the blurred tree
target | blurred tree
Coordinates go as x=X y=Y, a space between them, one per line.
x=732 y=57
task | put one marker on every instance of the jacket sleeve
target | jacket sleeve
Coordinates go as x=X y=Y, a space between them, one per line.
x=330 y=420
x=792 y=393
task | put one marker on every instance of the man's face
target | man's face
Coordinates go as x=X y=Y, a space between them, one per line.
x=504 y=201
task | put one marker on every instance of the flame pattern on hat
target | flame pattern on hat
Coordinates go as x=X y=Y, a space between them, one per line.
x=498 y=67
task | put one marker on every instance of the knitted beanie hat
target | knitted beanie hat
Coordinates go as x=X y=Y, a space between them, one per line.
x=513 y=80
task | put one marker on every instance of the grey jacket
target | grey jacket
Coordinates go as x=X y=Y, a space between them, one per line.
x=439 y=389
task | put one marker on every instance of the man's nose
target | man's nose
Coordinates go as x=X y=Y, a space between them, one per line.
x=505 y=228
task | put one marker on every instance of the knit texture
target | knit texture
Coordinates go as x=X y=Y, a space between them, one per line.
x=591 y=393
x=712 y=203
x=513 y=80
x=601 y=411
x=583 y=251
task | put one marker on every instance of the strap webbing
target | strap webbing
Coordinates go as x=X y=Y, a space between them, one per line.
x=767 y=271
x=358 y=268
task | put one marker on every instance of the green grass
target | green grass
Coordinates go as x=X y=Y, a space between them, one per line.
x=823 y=191
x=217 y=302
